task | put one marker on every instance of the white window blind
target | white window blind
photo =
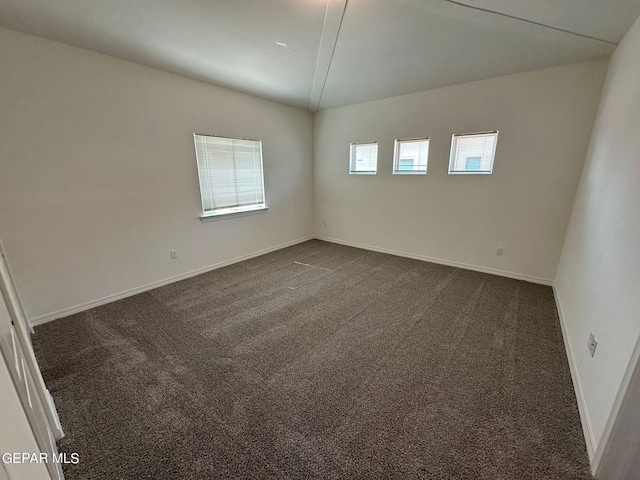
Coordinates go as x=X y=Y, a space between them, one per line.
x=363 y=158
x=473 y=152
x=230 y=172
x=411 y=156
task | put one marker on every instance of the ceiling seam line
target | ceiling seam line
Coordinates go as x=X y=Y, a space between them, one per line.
x=333 y=51
x=454 y=2
x=315 y=72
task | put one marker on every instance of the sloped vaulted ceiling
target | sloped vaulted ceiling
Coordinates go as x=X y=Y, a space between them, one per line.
x=317 y=54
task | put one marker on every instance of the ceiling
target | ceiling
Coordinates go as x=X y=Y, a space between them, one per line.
x=317 y=54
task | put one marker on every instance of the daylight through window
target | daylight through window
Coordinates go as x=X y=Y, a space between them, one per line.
x=473 y=152
x=410 y=156
x=364 y=158
x=230 y=172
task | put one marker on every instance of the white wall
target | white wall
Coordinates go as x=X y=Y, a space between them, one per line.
x=99 y=178
x=598 y=279
x=544 y=118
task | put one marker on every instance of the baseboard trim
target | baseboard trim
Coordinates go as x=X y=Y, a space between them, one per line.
x=595 y=453
x=607 y=434
x=150 y=286
x=466 y=266
x=587 y=430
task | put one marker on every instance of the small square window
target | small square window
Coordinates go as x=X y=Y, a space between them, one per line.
x=364 y=158
x=473 y=152
x=410 y=156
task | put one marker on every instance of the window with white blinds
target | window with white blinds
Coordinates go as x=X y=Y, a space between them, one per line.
x=410 y=156
x=473 y=152
x=363 y=158
x=230 y=172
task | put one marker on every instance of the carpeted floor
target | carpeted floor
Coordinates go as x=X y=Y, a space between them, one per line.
x=318 y=361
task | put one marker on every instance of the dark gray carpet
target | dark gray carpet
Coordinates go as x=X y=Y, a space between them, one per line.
x=318 y=361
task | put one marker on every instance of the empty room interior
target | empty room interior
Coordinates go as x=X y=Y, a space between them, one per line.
x=333 y=239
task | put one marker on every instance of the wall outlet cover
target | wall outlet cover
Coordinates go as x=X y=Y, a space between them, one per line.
x=592 y=344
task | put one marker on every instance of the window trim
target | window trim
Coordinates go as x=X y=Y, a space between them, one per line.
x=238 y=211
x=351 y=159
x=452 y=153
x=234 y=212
x=396 y=154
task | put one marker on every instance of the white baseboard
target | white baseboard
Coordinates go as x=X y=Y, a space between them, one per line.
x=466 y=266
x=616 y=411
x=595 y=454
x=150 y=286
x=577 y=386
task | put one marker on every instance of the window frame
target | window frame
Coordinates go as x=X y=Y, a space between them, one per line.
x=352 y=148
x=240 y=210
x=453 y=152
x=396 y=156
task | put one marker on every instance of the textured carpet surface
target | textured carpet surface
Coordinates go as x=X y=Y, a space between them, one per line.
x=318 y=361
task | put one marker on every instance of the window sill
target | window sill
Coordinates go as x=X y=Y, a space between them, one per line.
x=232 y=213
x=405 y=172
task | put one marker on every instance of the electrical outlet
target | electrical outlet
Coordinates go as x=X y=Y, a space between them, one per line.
x=174 y=254
x=592 y=344
x=499 y=251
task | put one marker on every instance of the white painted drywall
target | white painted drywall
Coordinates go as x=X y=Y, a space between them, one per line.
x=544 y=118
x=598 y=278
x=99 y=178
